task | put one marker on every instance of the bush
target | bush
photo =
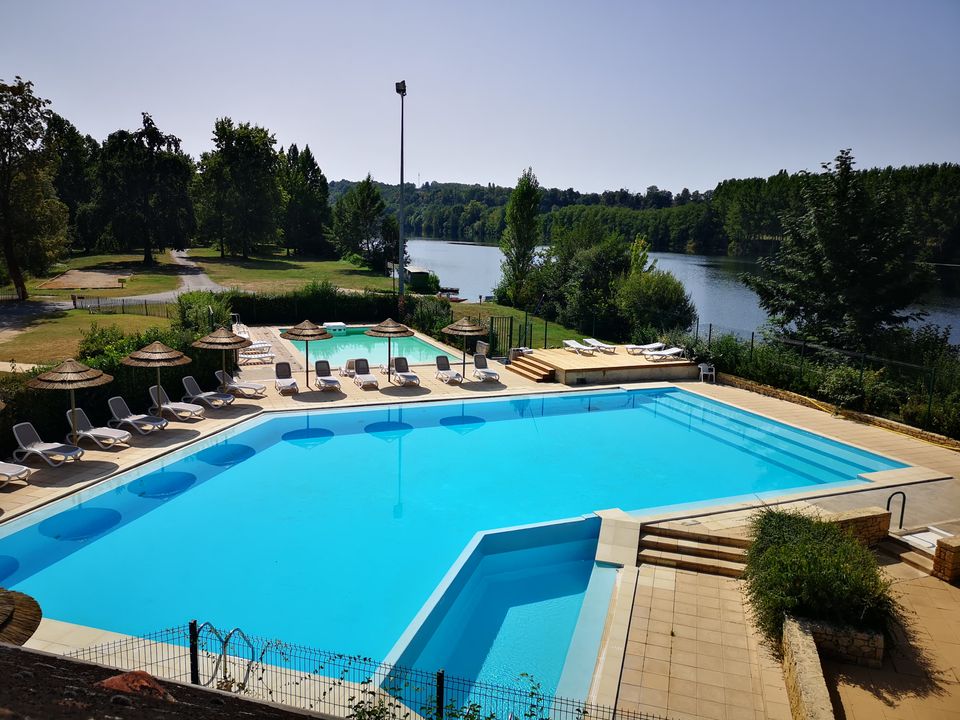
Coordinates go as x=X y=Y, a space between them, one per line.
x=841 y=386
x=203 y=311
x=809 y=568
x=428 y=284
x=654 y=298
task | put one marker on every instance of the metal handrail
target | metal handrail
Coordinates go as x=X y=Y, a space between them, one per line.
x=903 y=505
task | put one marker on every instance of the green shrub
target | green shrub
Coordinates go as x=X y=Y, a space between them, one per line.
x=428 y=284
x=203 y=311
x=809 y=568
x=841 y=386
x=880 y=396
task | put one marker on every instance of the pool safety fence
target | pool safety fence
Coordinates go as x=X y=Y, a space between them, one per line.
x=336 y=684
x=125 y=306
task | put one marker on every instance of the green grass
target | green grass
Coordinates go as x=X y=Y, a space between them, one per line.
x=144 y=281
x=56 y=337
x=277 y=272
x=555 y=333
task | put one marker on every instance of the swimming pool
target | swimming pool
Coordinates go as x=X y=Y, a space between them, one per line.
x=352 y=343
x=331 y=528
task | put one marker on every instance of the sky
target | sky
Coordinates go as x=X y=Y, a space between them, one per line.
x=593 y=95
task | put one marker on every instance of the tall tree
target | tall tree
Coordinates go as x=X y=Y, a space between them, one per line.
x=144 y=191
x=306 y=210
x=849 y=264
x=75 y=178
x=520 y=239
x=361 y=226
x=32 y=220
x=238 y=194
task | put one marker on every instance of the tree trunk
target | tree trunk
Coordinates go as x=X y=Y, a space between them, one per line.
x=147 y=253
x=13 y=266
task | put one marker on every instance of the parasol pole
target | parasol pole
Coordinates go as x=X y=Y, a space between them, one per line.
x=389 y=366
x=73 y=415
x=306 y=352
x=463 y=370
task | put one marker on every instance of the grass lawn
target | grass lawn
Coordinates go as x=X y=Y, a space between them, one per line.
x=160 y=278
x=267 y=273
x=56 y=337
x=555 y=333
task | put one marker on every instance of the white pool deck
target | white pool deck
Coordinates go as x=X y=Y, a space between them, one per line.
x=707 y=608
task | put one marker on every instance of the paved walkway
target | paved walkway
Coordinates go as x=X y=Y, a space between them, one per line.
x=191 y=278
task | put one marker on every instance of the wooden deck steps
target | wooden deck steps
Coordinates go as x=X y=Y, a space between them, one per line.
x=697 y=550
x=529 y=367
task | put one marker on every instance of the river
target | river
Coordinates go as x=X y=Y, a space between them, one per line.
x=712 y=282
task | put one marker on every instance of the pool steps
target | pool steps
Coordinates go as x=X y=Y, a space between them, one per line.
x=706 y=552
x=907 y=553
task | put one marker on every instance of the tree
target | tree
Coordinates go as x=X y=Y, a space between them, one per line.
x=32 y=220
x=654 y=301
x=75 y=178
x=520 y=239
x=238 y=194
x=361 y=227
x=849 y=264
x=143 y=198
x=305 y=214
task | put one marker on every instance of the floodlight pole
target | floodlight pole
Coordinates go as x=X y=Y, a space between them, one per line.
x=401 y=266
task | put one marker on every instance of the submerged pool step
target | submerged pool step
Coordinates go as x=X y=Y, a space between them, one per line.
x=696 y=550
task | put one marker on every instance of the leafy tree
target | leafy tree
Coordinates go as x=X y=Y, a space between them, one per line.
x=238 y=194
x=361 y=227
x=654 y=299
x=306 y=212
x=143 y=198
x=849 y=263
x=640 y=256
x=75 y=179
x=32 y=220
x=520 y=239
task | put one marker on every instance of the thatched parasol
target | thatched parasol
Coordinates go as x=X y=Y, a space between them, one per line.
x=70 y=375
x=389 y=329
x=156 y=355
x=465 y=327
x=222 y=339
x=307 y=332
x=20 y=617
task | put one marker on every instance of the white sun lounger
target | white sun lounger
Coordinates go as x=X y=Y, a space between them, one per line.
x=181 y=410
x=284 y=378
x=349 y=368
x=673 y=352
x=259 y=358
x=10 y=472
x=104 y=437
x=599 y=345
x=324 y=377
x=143 y=424
x=640 y=349
x=54 y=454
x=578 y=347
x=209 y=398
x=243 y=389
x=444 y=373
x=481 y=371
x=363 y=377
x=402 y=373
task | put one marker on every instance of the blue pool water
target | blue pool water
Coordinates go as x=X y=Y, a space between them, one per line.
x=331 y=528
x=354 y=344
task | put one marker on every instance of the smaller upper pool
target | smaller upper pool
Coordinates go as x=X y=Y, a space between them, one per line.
x=352 y=343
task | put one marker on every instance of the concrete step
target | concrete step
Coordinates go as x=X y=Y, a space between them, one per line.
x=712 y=566
x=524 y=371
x=908 y=554
x=701 y=535
x=694 y=548
x=529 y=368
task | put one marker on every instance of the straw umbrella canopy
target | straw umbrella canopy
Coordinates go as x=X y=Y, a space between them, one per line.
x=389 y=329
x=222 y=339
x=156 y=355
x=70 y=375
x=307 y=332
x=465 y=327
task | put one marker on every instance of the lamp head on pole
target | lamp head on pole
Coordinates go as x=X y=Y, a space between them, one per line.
x=402 y=88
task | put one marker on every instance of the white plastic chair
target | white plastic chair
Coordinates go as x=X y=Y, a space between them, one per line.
x=707 y=371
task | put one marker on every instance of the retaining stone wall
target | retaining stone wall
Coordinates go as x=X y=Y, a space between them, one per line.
x=803 y=674
x=860 y=647
x=869 y=525
x=946 y=560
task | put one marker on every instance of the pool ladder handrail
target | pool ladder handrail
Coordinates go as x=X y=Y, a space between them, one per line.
x=221 y=662
x=903 y=505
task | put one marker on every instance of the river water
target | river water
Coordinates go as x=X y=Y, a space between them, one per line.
x=712 y=282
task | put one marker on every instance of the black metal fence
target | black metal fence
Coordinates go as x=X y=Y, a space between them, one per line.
x=334 y=683
x=126 y=306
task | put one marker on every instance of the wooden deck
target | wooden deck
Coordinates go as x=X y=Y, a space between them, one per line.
x=612 y=367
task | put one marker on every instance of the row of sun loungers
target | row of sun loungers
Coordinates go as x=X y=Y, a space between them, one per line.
x=651 y=351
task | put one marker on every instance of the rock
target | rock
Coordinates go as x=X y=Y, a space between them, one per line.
x=136 y=683
x=122 y=701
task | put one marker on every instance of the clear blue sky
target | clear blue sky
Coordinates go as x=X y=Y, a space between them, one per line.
x=594 y=95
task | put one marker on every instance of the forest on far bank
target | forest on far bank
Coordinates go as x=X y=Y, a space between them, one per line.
x=738 y=217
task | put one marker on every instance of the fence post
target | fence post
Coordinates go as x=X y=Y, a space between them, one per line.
x=696 y=333
x=709 y=334
x=546 y=324
x=863 y=360
x=440 y=693
x=511 y=334
x=123 y=306
x=145 y=311
x=751 y=347
x=194 y=653
x=933 y=380
x=803 y=350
